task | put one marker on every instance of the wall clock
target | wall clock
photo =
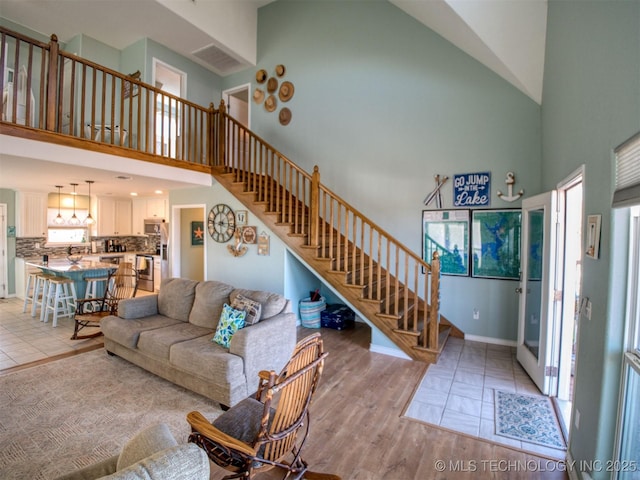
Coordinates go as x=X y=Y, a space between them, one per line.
x=221 y=223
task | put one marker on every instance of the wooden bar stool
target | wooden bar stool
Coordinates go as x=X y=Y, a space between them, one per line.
x=40 y=290
x=30 y=289
x=96 y=286
x=61 y=299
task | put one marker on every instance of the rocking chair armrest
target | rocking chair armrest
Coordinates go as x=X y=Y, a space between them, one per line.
x=201 y=425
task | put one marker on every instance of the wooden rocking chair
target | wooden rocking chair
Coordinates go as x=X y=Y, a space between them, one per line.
x=90 y=311
x=269 y=430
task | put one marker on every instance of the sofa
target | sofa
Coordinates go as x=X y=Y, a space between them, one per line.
x=191 y=333
x=152 y=454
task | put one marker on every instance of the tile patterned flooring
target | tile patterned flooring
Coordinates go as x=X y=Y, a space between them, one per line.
x=24 y=339
x=457 y=392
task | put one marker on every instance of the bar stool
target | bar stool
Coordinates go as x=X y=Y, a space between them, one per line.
x=96 y=287
x=61 y=299
x=40 y=293
x=30 y=289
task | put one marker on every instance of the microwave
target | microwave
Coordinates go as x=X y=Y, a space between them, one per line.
x=152 y=226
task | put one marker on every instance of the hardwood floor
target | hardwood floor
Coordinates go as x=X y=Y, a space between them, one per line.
x=357 y=430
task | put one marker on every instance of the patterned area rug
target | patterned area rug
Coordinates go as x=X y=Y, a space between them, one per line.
x=66 y=414
x=528 y=418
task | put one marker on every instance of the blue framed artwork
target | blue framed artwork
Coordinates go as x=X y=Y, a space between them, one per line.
x=447 y=232
x=472 y=189
x=197 y=233
x=495 y=243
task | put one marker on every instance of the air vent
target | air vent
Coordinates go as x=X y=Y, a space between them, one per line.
x=218 y=59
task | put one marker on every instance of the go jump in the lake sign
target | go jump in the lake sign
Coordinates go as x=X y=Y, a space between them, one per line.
x=472 y=189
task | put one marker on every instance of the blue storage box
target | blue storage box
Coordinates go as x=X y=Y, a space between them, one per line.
x=338 y=317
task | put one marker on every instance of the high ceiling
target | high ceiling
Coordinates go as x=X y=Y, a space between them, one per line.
x=507 y=36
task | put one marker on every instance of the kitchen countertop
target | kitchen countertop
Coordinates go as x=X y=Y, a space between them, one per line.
x=64 y=266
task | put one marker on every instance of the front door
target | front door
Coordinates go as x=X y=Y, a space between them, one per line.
x=535 y=349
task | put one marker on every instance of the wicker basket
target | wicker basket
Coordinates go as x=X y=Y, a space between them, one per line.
x=310 y=312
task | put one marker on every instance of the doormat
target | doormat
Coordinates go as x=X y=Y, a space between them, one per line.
x=528 y=418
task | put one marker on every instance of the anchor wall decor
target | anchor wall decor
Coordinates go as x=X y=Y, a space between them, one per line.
x=510 y=197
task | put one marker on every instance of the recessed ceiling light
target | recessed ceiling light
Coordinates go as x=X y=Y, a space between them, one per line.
x=159 y=192
x=134 y=194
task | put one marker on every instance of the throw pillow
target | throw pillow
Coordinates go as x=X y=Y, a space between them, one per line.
x=231 y=320
x=251 y=307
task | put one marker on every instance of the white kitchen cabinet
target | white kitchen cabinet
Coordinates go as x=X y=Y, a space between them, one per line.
x=114 y=216
x=31 y=214
x=156 y=207
x=130 y=258
x=148 y=207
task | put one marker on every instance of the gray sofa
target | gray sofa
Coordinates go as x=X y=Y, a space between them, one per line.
x=170 y=334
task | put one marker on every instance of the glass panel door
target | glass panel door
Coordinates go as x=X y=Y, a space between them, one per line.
x=536 y=327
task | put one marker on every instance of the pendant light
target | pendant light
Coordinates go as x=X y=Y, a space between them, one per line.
x=89 y=220
x=74 y=220
x=58 y=220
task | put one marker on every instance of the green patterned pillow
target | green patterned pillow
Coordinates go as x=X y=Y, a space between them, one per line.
x=231 y=321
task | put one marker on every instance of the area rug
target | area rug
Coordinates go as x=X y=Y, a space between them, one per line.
x=527 y=418
x=61 y=416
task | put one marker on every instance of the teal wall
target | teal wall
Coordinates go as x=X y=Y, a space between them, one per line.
x=8 y=197
x=591 y=104
x=382 y=104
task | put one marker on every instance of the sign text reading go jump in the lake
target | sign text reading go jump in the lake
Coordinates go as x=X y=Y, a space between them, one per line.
x=472 y=189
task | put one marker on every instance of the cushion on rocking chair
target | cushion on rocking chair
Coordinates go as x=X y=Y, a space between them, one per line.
x=242 y=421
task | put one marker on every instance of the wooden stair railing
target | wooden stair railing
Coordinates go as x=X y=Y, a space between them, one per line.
x=385 y=281
x=77 y=102
x=62 y=98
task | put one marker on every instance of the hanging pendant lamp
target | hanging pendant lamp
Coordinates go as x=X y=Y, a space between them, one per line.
x=74 y=220
x=89 y=220
x=58 y=220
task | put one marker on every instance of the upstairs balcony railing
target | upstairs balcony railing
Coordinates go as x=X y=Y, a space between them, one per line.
x=45 y=88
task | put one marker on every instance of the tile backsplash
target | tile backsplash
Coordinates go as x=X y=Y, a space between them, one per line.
x=26 y=246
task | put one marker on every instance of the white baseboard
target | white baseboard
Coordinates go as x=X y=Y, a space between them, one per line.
x=393 y=352
x=494 y=341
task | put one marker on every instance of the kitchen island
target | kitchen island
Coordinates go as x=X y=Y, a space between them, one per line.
x=78 y=272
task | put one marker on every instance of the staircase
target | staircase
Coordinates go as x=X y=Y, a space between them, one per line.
x=384 y=281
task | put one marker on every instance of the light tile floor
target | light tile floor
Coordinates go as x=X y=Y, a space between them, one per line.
x=24 y=339
x=457 y=392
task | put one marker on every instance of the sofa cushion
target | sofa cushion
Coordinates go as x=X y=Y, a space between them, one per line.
x=182 y=462
x=175 y=298
x=252 y=308
x=207 y=306
x=272 y=303
x=158 y=342
x=127 y=332
x=231 y=320
x=208 y=360
x=144 y=444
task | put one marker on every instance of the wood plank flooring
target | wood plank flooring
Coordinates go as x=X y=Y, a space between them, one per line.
x=358 y=432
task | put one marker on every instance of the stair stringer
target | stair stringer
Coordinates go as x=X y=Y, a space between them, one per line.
x=352 y=294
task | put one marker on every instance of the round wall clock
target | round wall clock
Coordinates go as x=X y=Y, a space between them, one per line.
x=221 y=223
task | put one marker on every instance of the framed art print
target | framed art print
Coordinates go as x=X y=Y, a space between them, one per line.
x=447 y=232
x=495 y=243
x=197 y=233
x=241 y=218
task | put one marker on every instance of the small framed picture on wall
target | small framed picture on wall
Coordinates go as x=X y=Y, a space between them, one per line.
x=593 y=236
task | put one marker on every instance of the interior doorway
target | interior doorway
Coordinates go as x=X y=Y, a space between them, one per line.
x=167 y=119
x=238 y=105
x=188 y=255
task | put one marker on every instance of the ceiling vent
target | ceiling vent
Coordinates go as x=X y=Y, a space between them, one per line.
x=219 y=60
